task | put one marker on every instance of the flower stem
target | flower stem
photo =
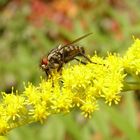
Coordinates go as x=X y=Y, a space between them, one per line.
x=131 y=86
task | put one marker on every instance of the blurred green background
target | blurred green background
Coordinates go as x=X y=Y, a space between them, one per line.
x=29 y=29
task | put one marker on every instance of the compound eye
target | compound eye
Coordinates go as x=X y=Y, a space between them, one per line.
x=44 y=61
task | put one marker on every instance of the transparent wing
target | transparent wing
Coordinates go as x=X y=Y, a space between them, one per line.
x=76 y=40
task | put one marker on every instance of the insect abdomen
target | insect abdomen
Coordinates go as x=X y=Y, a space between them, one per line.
x=72 y=51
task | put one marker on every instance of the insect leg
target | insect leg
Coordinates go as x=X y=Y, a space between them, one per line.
x=82 y=54
x=80 y=61
x=90 y=60
x=47 y=73
x=61 y=62
x=60 y=66
x=86 y=58
x=52 y=82
x=49 y=76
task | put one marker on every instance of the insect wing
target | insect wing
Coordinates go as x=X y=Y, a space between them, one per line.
x=76 y=40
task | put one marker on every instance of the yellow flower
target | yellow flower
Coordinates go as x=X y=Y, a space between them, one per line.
x=88 y=108
x=132 y=58
x=14 y=105
x=32 y=94
x=4 y=126
x=40 y=112
x=78 y=86
x=62 y=102
x=113 y=80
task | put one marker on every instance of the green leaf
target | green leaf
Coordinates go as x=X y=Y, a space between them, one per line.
x=72 y=127
x=122 y=122
x=131 y=109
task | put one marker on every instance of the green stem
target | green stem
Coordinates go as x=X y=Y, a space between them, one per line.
x=131 y=86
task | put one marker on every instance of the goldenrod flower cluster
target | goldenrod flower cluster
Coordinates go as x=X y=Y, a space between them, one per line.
x=78 y=86
x=132 y=58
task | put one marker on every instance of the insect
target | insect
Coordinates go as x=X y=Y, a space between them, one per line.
x=62 y=54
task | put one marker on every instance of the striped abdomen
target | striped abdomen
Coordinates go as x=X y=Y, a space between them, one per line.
x=72 y=51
